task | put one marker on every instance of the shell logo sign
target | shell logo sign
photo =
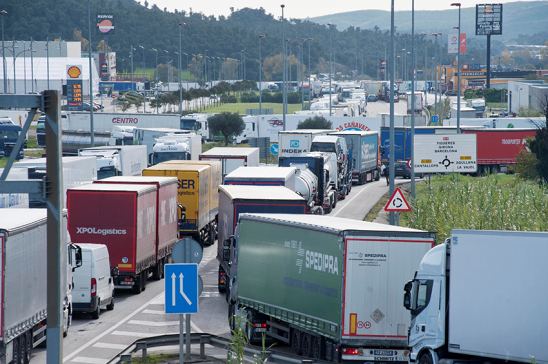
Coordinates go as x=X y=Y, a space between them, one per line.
x=74 y=72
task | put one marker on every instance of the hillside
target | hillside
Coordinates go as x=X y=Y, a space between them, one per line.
x=515 y=15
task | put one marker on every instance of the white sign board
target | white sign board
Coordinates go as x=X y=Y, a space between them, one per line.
x=453 y=42
x=444 y=153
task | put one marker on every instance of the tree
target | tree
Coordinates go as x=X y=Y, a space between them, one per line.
x=316 y=122
x=539 y=145
x=228 y=124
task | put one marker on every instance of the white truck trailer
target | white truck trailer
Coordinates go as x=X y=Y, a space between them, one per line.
x=295 y=143
x=121 y=160
x=105 y=122
x=23 y=308
x=481 y=297
x=176 y=147
x=232 y=158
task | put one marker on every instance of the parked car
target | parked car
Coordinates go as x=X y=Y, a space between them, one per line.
x=372 y=98
x=93 y=282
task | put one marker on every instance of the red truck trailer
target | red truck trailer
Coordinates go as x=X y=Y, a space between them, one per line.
x=123 y=217
x=498 y=148
x=166 y=218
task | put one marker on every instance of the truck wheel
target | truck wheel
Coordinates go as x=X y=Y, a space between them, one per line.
x=28 y=351
x=425 y=358
x=306 y=345
x=334 y=203
x=220 y=286
x=317 y=347
x=144 y=277
x=95 y=314
x=296 y=341
x=137 y=285
x=17 y=350
x=110 y=306
x=329 y=351
x=377 y=175
x=231 y=318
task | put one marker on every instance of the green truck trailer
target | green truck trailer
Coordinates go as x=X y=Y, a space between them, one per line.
x=329 y=287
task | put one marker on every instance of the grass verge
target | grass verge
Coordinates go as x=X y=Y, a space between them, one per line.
x=496 y=202
x=241 y=107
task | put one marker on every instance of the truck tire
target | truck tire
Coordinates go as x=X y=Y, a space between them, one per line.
x=306 y=345
x=28 y=351
x=377 y=175
x=110 y=306
x=317 y=348
x=17 y=350
x=425 y=358
x=231 y=318
x=95 y=314
x=296 y=341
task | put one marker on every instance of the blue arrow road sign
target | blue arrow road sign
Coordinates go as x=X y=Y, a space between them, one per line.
x=274 y=148
x=181 y=288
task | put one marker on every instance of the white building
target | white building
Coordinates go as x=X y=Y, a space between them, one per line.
x=527 y=95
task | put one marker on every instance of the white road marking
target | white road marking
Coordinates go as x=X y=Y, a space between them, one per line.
x=154 y=312
x=137 y=334
x=349 y=202
x=153 y=323
x=109 y=346
x=86 y=360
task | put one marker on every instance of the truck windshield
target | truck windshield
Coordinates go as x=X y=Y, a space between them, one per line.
x=169 y=156
x=323 y=147
x=422 y=296
x=9 y=135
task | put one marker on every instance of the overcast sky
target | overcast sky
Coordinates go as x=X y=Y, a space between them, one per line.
x=306 y=8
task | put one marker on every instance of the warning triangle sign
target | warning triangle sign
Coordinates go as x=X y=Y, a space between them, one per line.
x=397 y=203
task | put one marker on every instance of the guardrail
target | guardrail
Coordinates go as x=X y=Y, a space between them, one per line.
x=142 y=345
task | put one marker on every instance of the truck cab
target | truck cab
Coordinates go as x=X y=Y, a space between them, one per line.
x=337 y=145
x=9 y=132
x=176 y=147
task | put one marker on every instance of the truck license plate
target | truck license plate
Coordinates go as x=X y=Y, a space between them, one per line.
x=384 y=352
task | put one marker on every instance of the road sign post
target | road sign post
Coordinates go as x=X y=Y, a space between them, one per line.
x=444 y=153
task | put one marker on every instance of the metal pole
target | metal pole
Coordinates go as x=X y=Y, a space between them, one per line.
x=47 y=60
x=488 y=77
x=91 y=126
x=330 y=67
x=284 y=73
x=25 y=66
x=458 y=72
x=301 y=76
x=261 y=36
x=392 y=169
x=55 y=232
x=181 y=338
x=309 y=74
x=3 y=13
x=31 y=66
x=413 y=98
x=187 y=336
x=14 y=57
x=131 y=62
x=180 y=68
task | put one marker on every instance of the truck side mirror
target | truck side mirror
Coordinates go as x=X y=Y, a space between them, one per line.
x=409 y=301
x=77 y=256
x=226 y=248
x=114 y=272
x=151 y=159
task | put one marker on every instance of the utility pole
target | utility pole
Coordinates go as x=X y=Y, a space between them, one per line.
x=413 y=98
x=436 y=35
x=47 y=61
x=91 y=126
x=309 y=74
x=458 y=71
x=3 y=14
x=31 y=66
x=261 y=36
x=392 y=169
x=180 y=68
x=284 y=73
x=330 y=67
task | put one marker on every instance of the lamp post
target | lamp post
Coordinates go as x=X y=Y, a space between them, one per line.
x=131 y=49
x=261 y=37
x=47 y=61
x=3 y=14
x=413 y=98
x=31 y=66
x=309 y=72
x=392 y=169
x=144 y=91
x=330 y=66
x=180 y=67
x=284 y=73
x=144 y=58
x=156 y=79
x=91 y=126
x=436 y=75
x=458 y=71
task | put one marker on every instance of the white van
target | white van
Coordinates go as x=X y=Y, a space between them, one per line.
x=93 y=283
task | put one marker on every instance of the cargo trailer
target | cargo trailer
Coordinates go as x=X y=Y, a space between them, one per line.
x=232 y=158
x=363 y=150
x=196 y=217
x=480 y=298
x=120 y=160
x=234 y=200
x=297 y=142
x=329 y=287
x=166 y=217
x=262 y=176
x=123 y=217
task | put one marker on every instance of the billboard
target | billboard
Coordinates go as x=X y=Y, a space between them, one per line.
x=74 y=88
x=444 y=153
x=453 y=42
x=105 y=23
x=489 y=19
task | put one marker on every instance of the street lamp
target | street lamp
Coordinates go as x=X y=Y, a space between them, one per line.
x=436 y=60
x=391 y=166
x=330 y=65
x=180 y=67
x=261 y=37
x=91 y=126
x=458 y=71
x=144 y=58
x=3 y=13
x=284 y=73
x=131 y=49
x=156 y=79
x=309 y=40
x=413 y=97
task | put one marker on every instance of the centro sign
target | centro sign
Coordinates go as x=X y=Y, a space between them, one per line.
x=122 y=120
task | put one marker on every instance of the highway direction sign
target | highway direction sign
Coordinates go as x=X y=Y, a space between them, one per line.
x=397 y=203
x=444 y=153
x=181 y=288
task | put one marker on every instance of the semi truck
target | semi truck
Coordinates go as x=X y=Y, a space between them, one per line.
x=337 y=146
x=9 y=132
x=77 y=171
x=475 y=299
x=176 y=147
x=297 y=142
x=121 y=160
x=23 y=308
x=232 y=158
x=148 y=136
x=324 y=167
x=105 y=122
x=363 y=151
x=419 y=102
x=123 y=217
x=196 y=215
x=333 y=284
x=235 y=200
x=166 y=217
x=263 y=176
